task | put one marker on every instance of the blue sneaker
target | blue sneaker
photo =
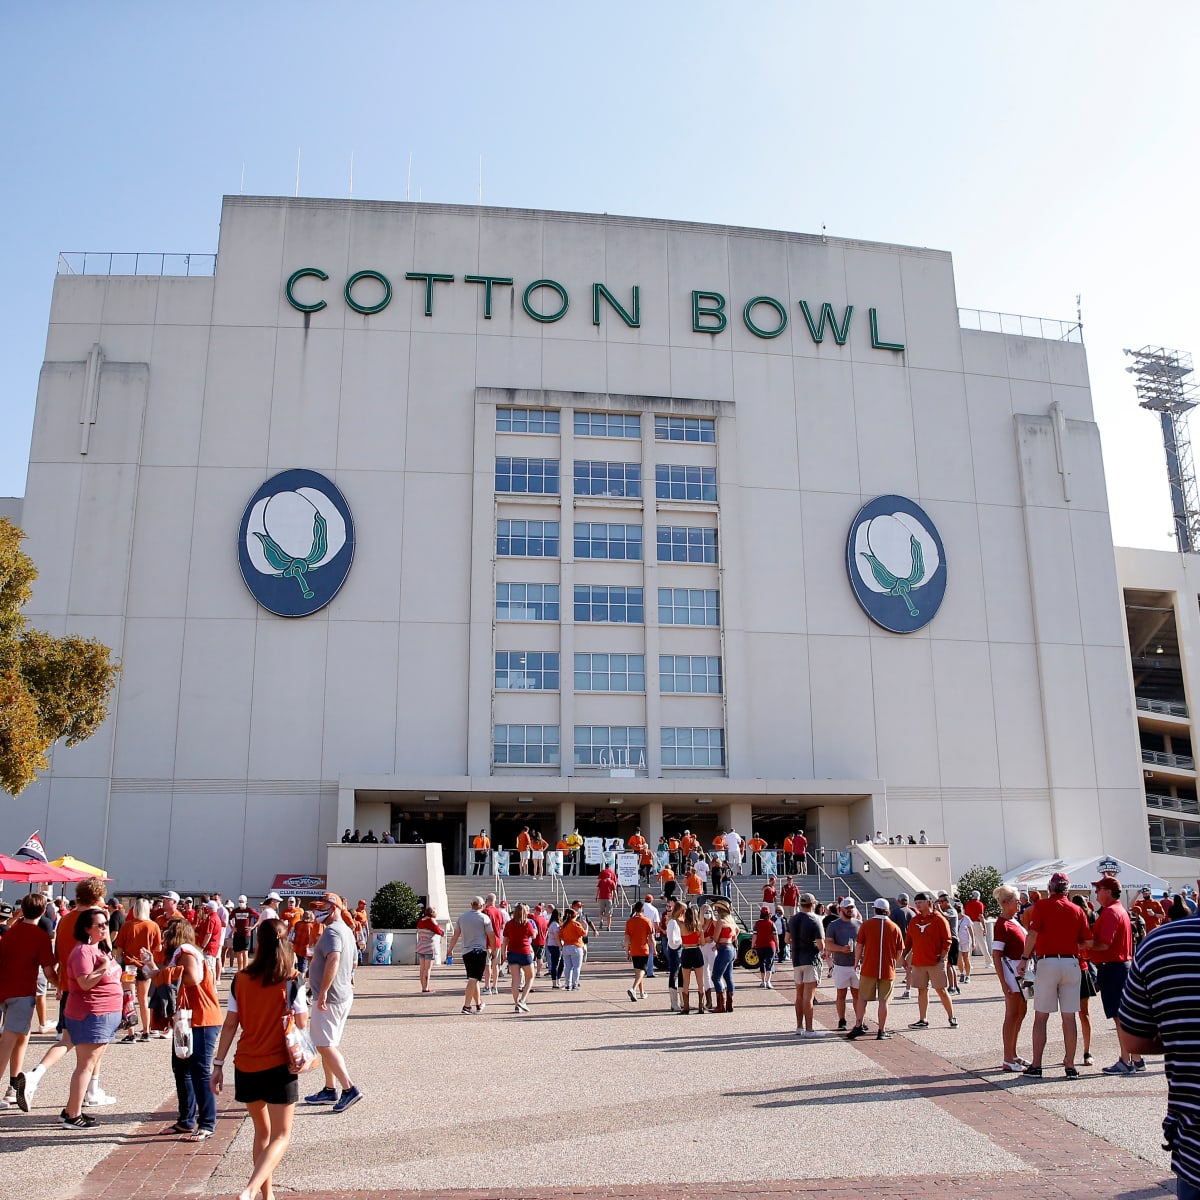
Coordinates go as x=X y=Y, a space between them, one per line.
x=352 y=1095
x=326 y=1095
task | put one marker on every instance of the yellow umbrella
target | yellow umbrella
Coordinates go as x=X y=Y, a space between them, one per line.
x=75 y=864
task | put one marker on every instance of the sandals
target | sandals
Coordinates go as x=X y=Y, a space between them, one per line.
x=1072 y=1073
x=180 y=1127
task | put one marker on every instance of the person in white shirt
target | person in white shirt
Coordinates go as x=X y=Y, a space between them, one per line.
x=733 y=849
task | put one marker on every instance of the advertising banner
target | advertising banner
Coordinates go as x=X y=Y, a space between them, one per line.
x=845 y=863
x=499 y=862
x=554 y=862
x=769 y=861
x=593 y=851
x=627 y=869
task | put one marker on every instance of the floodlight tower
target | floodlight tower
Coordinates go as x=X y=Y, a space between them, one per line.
x=1164 y=386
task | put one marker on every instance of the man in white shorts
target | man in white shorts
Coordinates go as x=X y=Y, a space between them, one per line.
x=330 y=974
x=806 y=936
x=841 y=936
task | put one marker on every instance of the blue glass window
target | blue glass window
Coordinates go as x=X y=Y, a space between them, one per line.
x=616 y=425
x=616 y=605
x=526 y=671
x=525 y=745
x=685 y=429
x=610 y=672
x=684 y=544
x=698 y=674
x=677 y=482
x=534 y=476
x=610 y=746
x=598 y=539
x=689 y=606
x=527 y=539
x=527 y=602
x=684 y=746
x=608 y=479
x=527 y=420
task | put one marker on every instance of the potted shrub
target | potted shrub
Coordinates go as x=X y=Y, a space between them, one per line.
x=395 y=911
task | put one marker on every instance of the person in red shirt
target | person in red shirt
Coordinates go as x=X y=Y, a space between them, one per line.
x=639 y=945
x=498 y=918
x=800 y=853
x=976 y=912
x=1058 y=930
x=23 y=949
x=790 y=898
x=606 y=892
x=1112 y=951
x=1008 y=944
x=766 y=942
x=519 y=934
x=771 y=891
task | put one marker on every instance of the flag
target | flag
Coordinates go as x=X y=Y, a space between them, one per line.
x=33 y=849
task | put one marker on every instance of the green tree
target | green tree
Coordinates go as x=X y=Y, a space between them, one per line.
x=983 y=880
x=395 y=906
x=50 y=687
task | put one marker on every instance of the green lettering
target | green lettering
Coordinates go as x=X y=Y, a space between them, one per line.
x=716 y=311
x=295 y=276
x=369 y=308
x=817 y=328
x=876 y=344
x=634 y=321
x=757 y=330
x=488 y=281
x=554 y=287
x=430 y=277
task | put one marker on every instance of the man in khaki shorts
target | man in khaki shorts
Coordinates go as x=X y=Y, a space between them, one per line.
x=878 y=948
x=806 y=936
x=926 y=945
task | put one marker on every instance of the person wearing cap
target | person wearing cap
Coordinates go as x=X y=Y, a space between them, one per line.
x=722 y=934
x=1111 y=952
x=926 y=944
x=1057 y=929
x=975 y=910
x=900 y=914
x=242 y=919
x=168 y=909
x=1150 y=910
x=878 y=948
x=330 y=975
x=841 y=934
x=270 y=908
x=806 y=936
x=208 y=936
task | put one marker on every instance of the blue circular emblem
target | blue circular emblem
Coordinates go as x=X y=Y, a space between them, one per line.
x=296 y=543
x=897 y=564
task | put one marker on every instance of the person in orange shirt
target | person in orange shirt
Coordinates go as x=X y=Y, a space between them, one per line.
x=788 y=862
x=877 y=949
x=756 y=846
x=719 y=842
x=538 y=847
x=675 y=851
x=304 y=935
x=693 y=884
x=639 y=945
x=480 y=845
x=1150 y=910
x=926 y=944
x=688 y=843
x=523 y=848
x=136 y=935
x=666 y=877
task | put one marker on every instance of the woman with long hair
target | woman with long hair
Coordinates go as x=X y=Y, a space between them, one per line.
x=519 y=933
x=554 y=948
x=93 y=1008
x=427 y=930
x=708 y=952
x=691 y=959
x=138 y=946
x=571 y=934
x=259 y=998
x=673 y=949
x=1008 y=945
x=724 y=937
x=185 y=961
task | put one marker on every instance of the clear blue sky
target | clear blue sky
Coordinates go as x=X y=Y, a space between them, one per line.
x=1049 y=147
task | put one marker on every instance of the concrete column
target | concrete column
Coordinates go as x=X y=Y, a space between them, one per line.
x=566 y=817
x=651 y=821
x=479 y=816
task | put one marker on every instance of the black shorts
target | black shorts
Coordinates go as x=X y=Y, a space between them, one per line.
x=474 y=962
x=639 y=961
x=275 y=1085
x=952 y=956
x=241 y=941
x=1110 y=978
x=692 y=958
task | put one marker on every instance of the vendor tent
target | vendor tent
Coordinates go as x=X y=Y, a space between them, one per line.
x=1082 y=872
x=71 y=863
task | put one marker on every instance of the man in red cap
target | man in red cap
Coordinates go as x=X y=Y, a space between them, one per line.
x=1058 y=930
x=1112 y=950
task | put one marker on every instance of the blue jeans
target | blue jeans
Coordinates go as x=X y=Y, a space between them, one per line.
x=554 y=958
x=197 y=1104
x=722 y=971
x=573 y=958
x=673 y=957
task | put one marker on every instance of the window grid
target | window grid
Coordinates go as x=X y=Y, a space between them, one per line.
x=525 y=745
x=685 y=429
x=687 y=746
x=532 y=476
x=608 y=479
x=610 y=672
x=1167 y=836
x=689 y=606
x=527 y=602
x=686 y=544
x=694 y=674
x=673 y=481
x=527 y=539
x=597 y=539
x=526 y=671
x=527 y=420
x=614 y=425
x=612 y=605
x=610 y=745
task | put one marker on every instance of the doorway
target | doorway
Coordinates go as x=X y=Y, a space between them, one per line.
x=410 y=825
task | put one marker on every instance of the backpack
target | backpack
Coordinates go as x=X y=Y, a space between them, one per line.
x=164 y=999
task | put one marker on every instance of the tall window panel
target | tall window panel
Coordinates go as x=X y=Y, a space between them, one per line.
x=525 y=745
x=527 y=420
x=610 y=746
x=686 y=544
x=689 y=606
x=685 y=429
x=608 y=479
x=674 y=481
x=527 y=602
x=610 y=672
x=526 y=671
x=690 y=674
x=614 y=605
x=528 y=476
x=613 y=425
x=527 y=539
x=599 y=539
x=688 y=746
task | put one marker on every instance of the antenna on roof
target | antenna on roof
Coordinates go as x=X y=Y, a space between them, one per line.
x=297 y=192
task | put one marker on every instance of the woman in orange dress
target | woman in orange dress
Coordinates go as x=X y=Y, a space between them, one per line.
x=138 y=947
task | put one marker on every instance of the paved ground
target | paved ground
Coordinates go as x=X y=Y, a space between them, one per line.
x=592 y=1095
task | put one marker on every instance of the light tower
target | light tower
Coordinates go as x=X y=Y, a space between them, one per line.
x=1164 y=386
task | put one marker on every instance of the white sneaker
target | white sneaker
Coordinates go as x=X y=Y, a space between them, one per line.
x=10 y=1096
x=4 y=1104
x=770 y=986
x=97 y=1098
x=32 y=1079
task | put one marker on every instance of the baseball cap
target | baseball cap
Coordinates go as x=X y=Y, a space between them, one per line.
x=1105 y=881
x=211 y=905
x=923 y=896
x=274 y=896
x=902 y=896
x=846 y=902
x=170 y=896
x=764 y=911
x=881 y=905
x=1059 y=879
x=1146 y=891
x=943 y=895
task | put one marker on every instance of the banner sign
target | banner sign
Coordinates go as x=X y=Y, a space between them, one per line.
x=662 y=858
x=554 y=862
x=768 y=862
x=499 y=862
x=845 y=863
x=593 y=851
x=300 y=885
x=627 y=869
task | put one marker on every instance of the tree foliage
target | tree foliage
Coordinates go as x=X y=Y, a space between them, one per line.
x=50 y=687
x=395 y=906
x=983 y=880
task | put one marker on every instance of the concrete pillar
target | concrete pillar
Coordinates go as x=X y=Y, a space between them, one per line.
x=651 y=821
x=479 y=816
x=566 y=817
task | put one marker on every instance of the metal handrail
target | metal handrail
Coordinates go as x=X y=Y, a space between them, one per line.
x=836 y=882
x=1171 y=708
x=1048 y=328
x=133 y=262
x=1161 y=758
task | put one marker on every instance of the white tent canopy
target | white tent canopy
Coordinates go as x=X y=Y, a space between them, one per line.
x=1082 y=871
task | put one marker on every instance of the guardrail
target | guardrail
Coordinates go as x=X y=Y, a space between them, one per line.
x=1181 y=804
x=117 y=262
x=1048 y=328
x=1160 y=758
x=1171 y=708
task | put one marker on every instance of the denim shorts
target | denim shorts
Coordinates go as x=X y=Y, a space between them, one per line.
x=96 y=1029
x=519 y=960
